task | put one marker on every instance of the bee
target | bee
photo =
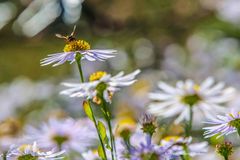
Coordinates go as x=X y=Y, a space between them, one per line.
x=69 y=38
x=72 y=44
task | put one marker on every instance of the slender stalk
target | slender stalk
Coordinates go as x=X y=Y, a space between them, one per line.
x=95 y=123
x=59 y=147
x=78 y=60
x=188 y=132
x=189 y=125
x=186 y=156
x=225 y=157
x=238 y=131
x=5 y=156
x=107 y=117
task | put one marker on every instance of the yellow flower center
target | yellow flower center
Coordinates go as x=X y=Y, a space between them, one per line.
x=59 y=139
x=171 y=138
x=97 y=75
x=196 y=87
x=235 y=123
x=76 y=45
x=23 y=147
x=125 y=124
x=27 y=157
x=191 y=99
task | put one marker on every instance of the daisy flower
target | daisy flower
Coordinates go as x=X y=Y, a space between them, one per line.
x=74 y=47
x=67 y=134
x=205 y=98
x=148 y=150
x=32 y=152
x=223 y=125
x=177 y=146
x=100 y=85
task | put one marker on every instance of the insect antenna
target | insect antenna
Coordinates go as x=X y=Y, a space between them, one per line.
x=73 y=32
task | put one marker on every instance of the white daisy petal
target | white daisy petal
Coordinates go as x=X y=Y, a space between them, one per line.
x=207 y=98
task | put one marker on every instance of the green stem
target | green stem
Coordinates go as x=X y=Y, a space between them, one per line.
x=225 y=157
x=186 y=156
x=182 y=157
x=78 y=60
x=99 y=137
x=5 y=156
x=189 y=125
x=107 y=117
x=238 y=131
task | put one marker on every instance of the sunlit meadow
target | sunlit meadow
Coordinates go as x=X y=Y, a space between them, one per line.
x=120 y=80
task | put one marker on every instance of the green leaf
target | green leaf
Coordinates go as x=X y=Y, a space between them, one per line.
x=101 y=152
x=88 y=110
x=102 y=130
x=103 y=134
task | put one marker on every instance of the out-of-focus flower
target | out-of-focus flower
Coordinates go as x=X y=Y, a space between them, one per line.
x=9 y=133
x=31 y=152
x=223 y=125
x=74 y=47
x=11 y=99
x=90 y=155
x=125 y=126
x=177 y=146
x=67 y=134
x=148 y=150
x=101 y=84
x=225 y=149
x=206 y=98
x=227 y=10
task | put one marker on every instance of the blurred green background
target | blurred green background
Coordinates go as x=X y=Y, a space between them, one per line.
x=168 y=40
x=142 y=29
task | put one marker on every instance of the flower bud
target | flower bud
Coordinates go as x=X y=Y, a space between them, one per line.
x=148 y=125
x=224 y=149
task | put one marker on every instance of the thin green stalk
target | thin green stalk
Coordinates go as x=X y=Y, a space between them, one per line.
x=186 y=156
x=59 y=147
x=225 y=157
x=78 y=60
x=95 y=123
x=189 y=125
x=5 y=156
x=182 y=157
x=238 y=131
x=108 y=119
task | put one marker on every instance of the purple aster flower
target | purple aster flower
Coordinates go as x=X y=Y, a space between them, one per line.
x=177 y=146
x=67 y=134
x=148 y=150
x=223 y=125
